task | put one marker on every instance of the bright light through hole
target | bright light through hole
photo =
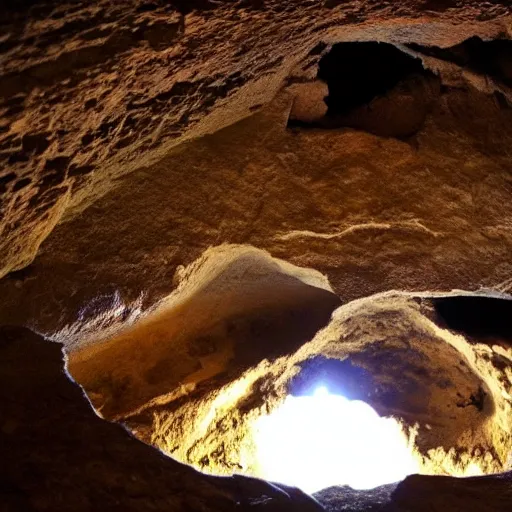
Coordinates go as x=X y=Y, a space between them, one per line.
x=314 y=442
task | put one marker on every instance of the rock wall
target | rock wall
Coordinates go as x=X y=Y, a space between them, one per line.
x=189 y=190
x=372 y=213
x=57 y=454
x=91 y=91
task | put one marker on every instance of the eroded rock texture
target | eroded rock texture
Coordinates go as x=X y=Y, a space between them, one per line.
x=91 y=90
x=194 y=385
x=420 y=493
x=58 y=455
x=409 y=190
x=211 y=203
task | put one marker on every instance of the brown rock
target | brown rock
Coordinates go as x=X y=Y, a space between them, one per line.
x=57 y=454
x=116 y=88
x=209 y=182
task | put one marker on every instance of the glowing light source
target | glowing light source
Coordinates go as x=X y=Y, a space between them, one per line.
x=314 y=442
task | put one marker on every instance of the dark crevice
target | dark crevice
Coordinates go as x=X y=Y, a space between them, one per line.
x=479 y=317
x=375 y=87
x=382 y=89
x=501 y=100
x=356 y=73
x=492 y=58
x=475 y=400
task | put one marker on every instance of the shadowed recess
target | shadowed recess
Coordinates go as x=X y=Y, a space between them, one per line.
x=356 y=73
x=234 y=307
x=478 y=317
x=492 y=58
x=369 y=86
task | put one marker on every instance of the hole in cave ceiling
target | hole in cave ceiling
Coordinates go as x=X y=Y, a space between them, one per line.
x=322 y=439
x=325 y=433
x=390 y=90
x=375 y=87
x=356 y=73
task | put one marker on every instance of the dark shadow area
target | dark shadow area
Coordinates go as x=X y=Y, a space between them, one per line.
x=492 y=58
x=422 y=493
x=369 y=86
x=346 y=499
x=477 y=317
x=275 y=332
x=356 y=73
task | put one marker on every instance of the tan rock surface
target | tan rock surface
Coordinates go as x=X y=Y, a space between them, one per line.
x=93 y=90
x=393 y=351
x=370 y=213
x=58 y=455
x=183 y=210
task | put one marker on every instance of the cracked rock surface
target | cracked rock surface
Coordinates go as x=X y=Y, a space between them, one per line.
x=90 y=91
x=209 y=203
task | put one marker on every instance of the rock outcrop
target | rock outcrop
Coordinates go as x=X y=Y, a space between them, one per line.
x=371 y=213
x=58 y=455
x=90 y=91
x=422 y=494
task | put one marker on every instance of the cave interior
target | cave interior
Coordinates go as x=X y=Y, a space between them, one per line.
x=228 y=228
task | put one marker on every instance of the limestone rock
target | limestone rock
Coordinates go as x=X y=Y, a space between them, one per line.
x=371 y=213
x=401 y=353
x=210 y=203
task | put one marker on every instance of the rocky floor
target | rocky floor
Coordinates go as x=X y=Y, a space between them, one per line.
x=422 y=493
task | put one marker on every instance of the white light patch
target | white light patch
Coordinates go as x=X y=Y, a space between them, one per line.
x=314 y=442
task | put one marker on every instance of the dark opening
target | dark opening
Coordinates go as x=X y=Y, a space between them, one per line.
x=477 y=317
x=368 y=86
x=356 y=73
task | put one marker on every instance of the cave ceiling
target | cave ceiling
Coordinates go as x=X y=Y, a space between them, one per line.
x=214 y=201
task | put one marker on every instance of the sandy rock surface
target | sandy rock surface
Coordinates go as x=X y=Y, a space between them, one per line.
x=196 y=394
x=371 y=213
x=210 y=203
x=90 y=91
